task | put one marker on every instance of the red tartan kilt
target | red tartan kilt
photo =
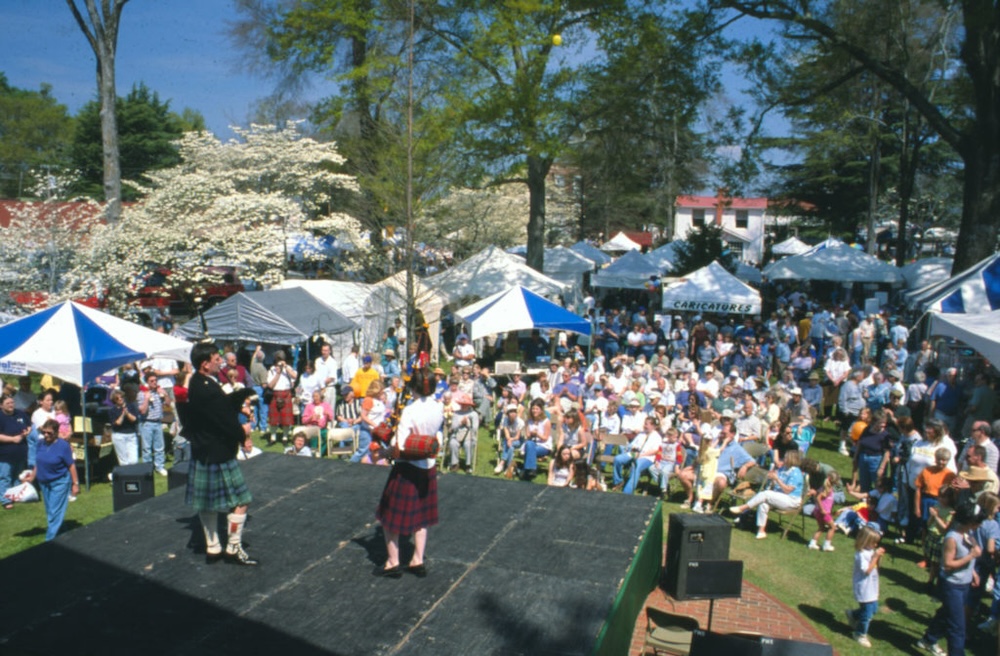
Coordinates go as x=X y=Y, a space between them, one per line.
x=409 y=501
x=281 y=416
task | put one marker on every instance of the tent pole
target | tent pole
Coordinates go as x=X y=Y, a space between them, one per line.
x=86 y=439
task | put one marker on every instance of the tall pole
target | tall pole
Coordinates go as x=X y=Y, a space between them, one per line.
x=410 y=300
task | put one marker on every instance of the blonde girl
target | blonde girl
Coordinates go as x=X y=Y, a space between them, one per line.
x=867 y=555
x=824 y=512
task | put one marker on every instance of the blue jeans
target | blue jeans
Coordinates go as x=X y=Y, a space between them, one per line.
x=641 y=465
x=868 y=470
x=863 y=616
x=364 y=439
x=261 y=410
x=8 y=472
x=532 y=452
x=618 y=468
x=949 y=620
x=507 y=452
x=153 y=451
x=56 y=496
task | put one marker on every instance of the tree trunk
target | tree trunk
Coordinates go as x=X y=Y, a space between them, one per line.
x=977 y=236
x=109 y=134
x=538 y=168
x=874 y=162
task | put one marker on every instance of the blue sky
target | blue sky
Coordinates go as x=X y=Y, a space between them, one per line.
x=179 y=48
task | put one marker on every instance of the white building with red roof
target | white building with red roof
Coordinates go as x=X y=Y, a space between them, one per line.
x=742 y=221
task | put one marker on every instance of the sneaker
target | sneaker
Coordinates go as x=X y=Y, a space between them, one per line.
x=499 y=468
x=828 y=547
x=161 y=471
x=862 y=640
x=843 y=451
x=686 y=505
x=815 y=547
x=931 y=647
x=849 y=614
x=989 y=626
x=72 y=498
x=900 y=540
x=761 y=535
x=697 y=508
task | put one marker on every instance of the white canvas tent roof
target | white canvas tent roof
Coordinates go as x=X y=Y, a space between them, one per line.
x=591 y=252
x=834 y=260
x=980 y=331
x=566 y=266
x=748 y=273
x=791 y=246
x=490 y=271
x=630 y=271
x=711 y=289
x=927 y=271
x=664 y=257
x=619 y=243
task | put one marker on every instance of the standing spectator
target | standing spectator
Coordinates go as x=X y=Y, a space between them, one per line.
x=258 y=373
x=55 y=471
x=981 y=405
x=849 y=404
x=464 y=353
x=867 y=555
x=944 y=398
x=15 y=425
x=124 y=419
x=242 y=376
x=150 y=402
x=351 y=365
x=327 y=368
x=281 y=380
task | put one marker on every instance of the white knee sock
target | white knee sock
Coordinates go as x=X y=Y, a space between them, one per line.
x=235 y=531
x=210 y=524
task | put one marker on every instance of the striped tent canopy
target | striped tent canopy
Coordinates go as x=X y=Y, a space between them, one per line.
x=975 y=290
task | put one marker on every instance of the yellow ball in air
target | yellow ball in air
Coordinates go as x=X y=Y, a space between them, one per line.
x=556 y=40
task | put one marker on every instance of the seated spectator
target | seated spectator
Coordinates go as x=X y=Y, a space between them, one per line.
x=812 y=393
x=667 y=462
x=463 y=430
x=783 y=492
x=748 y=425
x=299 y=446
x=538 y=438
x=464 y=353
x=511 y=437
x=562 y=470
x=734 y=463
x=316 y=419
x=798 y=409
x=373 y=413
x=573 y=433
x=642 y=452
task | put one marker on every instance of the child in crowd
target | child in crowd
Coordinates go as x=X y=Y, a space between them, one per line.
x=823 y=512
x=708 y=464
x=299 y=446
x=666 y=463
x=63 y=417
x=938 y=518
x=867 y=555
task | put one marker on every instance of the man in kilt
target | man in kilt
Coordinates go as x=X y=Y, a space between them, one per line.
x=409 y=503
x=215 y=482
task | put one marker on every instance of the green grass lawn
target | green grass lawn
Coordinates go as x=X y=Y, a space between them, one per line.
x=816 y=584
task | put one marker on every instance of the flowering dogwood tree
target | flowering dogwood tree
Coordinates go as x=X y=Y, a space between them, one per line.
x=226 y=203
x=43 y=240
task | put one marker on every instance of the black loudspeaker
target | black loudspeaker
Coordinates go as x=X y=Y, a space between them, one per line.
x=706 y=643
x=177 y=475
x=714 y=579
x=132 y=484
x=690 y=538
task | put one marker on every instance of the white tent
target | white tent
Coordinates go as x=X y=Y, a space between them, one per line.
x=620 y=243
x=980 y=331
x=591 y=252
x=566 y=266
x=374 y=307
x=791 y=246
x=664 y=257
x=488 y=272
x=711 y=289
x=833 y=260
x=630 y=271
x=748 y=273
x=927 y=271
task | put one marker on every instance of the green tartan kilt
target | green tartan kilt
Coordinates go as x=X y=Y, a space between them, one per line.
x=216 y=487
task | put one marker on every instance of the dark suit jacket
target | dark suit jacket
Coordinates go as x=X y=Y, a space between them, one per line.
x=211 y=422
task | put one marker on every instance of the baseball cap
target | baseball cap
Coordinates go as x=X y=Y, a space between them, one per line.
x=367 y=358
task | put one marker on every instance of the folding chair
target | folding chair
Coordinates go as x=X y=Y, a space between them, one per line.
x=668 y=633
x=787 y=518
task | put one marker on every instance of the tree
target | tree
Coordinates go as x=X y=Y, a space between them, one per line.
x=147 y=135
x=700 y=248
x=35 y=131
x=45 y=237
x=973 y=131
x=227 y=203
x=102 y=35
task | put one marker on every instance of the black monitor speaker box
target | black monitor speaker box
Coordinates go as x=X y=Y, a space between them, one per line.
x=177 y=475
x=131 y=484
x=693 y=538
x=714 y=579
x=706 y=643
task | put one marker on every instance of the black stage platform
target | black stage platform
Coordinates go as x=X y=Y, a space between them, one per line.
x=514 y=569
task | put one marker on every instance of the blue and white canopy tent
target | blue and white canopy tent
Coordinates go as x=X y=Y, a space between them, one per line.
x=518 y=309
x=77 y=344
x=973 y=291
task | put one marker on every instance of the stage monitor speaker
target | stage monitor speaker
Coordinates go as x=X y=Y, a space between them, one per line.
x=706 y=643
x=693 y=538
x=132 y=484
x=177 y=475
x=714 y=579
